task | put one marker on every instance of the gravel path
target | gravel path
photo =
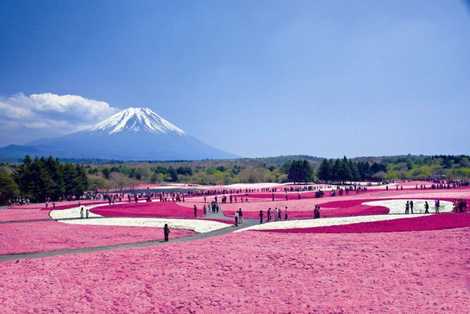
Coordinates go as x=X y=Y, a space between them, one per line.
x=198 y=236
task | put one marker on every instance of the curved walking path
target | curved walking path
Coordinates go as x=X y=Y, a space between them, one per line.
x=197 y=236
x=206 y=228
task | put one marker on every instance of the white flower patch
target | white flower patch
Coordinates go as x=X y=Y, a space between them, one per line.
x=397 y=206
x=197 y=225
x=71 y=213
x=200 y=226
x=324 y=222
x=396 y=211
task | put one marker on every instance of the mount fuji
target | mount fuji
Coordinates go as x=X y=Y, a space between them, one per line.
x=131 y=134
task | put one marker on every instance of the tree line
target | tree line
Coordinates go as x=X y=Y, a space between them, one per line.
x=347 y=170
x=301 y=170
x=42 y=179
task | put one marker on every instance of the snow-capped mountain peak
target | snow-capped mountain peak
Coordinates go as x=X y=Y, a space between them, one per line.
x=137 y=119
x=132 y=134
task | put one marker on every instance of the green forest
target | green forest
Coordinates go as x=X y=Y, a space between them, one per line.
x=42 y=179
x=48 y=178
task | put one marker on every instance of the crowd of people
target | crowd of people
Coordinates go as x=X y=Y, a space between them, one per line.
x=460 y=206
x=410 y=207
x=275 y=214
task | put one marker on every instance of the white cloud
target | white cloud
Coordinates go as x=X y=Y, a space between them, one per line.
x=24 y=118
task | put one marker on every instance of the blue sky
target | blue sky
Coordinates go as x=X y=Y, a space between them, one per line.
x=256 y=78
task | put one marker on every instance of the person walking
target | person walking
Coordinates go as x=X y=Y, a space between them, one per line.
x=407 y=207
x=236 y=219
x=195 y=211
x=437 y=204
x=81 y=212
x=240 y=216
x=426 y=207
x=269 y=214
x=316 y=212
x=261 y=216
x=412 y=206
x=285 y=214
x=87 y=213
x=166 y=232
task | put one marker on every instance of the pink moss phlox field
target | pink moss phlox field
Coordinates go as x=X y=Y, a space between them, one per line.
x=331 y=209
x=21 y=237
x=151 y=209
x=253 y=272
x=426 y=223
x=303 y=208
x=73 y=204
x=22 y=214
x=58 y=205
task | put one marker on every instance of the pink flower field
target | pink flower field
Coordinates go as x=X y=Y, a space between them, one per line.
x=22 y=214
x=24 y=236
x=346 y=205
x=338 y=206
x=58 y=205
x=151 y=209
x=253 y=272
x=302 y=209
x=185 y=210
x=37 y=211
x=408 y=265
x=431 y=222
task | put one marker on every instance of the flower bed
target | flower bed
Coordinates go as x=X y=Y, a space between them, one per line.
x=72 y=216
x=421 y=223
x=50 y=235
x=151 y=209
x=253 y=272
x=9 y=214
x=304 y=208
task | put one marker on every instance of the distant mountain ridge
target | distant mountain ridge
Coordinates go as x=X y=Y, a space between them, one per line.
x=131 y=134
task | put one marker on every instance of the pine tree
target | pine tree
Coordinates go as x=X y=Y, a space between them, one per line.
x=299 y=171
x=69 y=180
x=336 y=170
x=345 y=170
x=8 y=187
x=56 y=173
x=80 y=182
x=324 y=171
x=364 y=170
x=354 y=170
x=24 y=177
